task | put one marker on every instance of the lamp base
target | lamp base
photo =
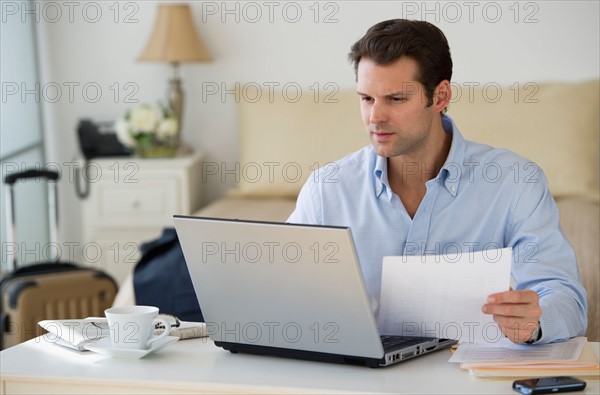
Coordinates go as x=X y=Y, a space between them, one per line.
x=176 y=99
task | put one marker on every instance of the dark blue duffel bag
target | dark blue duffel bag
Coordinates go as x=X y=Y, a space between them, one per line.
x=161 y=279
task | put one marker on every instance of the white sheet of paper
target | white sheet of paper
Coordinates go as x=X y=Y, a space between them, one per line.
x=442 y=295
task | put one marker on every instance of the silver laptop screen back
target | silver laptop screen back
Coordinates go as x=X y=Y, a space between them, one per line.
x=279 y=285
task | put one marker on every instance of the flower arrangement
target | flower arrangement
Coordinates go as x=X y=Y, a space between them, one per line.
x=151 y=130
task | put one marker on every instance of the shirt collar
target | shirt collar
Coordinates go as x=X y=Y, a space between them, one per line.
x=452 y=169
x=381 y=177
x=450 y=173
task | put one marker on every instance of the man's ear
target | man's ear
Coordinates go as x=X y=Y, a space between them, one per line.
x=442 y=95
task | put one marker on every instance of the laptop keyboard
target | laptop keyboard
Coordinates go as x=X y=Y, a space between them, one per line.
x=394 y=342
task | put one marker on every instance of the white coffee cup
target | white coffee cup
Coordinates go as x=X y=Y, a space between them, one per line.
x=132 y=327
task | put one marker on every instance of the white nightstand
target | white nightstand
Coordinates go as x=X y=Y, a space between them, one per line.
x=130 y=202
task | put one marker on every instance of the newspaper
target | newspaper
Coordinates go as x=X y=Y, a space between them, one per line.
x=76 y=334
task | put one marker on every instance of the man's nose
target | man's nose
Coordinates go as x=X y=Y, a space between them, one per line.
x=378 y=113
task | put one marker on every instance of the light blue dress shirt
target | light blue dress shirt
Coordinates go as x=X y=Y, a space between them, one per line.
x=483 y=198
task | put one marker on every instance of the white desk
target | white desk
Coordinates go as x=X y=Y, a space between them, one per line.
x=197 y=366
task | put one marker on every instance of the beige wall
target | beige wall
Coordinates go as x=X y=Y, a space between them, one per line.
x=492 y=42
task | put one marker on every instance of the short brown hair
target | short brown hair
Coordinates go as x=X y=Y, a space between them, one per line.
x=388 y=41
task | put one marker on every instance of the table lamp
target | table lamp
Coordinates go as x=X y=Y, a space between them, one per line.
x=175 y=40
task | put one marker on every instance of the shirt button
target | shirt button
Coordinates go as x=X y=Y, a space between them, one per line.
x=453 y=188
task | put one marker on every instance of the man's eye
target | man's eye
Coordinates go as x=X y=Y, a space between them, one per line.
x=366 y=98
x=399 y=99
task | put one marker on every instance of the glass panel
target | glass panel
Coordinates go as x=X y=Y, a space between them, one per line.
x=20 y=132
x=20 y=124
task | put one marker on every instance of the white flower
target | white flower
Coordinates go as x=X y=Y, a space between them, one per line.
x=167 y=128
x=123 y=133
x=146 y=124
x=143 y=119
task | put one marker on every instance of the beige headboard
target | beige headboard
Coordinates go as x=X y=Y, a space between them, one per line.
x=554 y=125
x=287 y=140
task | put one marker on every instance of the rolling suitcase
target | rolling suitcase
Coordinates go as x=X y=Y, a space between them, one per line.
x=47 y=290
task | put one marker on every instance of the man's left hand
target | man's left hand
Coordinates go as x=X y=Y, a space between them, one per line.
x=516 y=312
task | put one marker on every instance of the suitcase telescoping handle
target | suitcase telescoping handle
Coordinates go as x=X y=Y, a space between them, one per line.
x=52 y=177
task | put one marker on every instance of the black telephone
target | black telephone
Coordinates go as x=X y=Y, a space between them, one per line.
x=96 y=140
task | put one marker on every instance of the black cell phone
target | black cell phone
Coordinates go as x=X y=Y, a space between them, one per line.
x=548 y=385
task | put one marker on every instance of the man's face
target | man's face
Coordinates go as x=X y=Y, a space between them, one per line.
x=394 y=108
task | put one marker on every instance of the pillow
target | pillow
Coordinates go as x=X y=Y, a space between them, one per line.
x=554 y=125
x=282 y=141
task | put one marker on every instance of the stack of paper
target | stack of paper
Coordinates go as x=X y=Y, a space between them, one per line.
x=570 y=358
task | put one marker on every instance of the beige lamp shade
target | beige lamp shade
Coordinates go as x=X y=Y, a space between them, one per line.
x=174 y=38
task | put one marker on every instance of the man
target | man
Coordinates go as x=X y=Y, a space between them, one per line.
x=420 y=187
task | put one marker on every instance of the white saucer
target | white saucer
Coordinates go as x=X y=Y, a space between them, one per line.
x=104 y=346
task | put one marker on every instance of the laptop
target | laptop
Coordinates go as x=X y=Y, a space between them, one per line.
x=288 y=290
